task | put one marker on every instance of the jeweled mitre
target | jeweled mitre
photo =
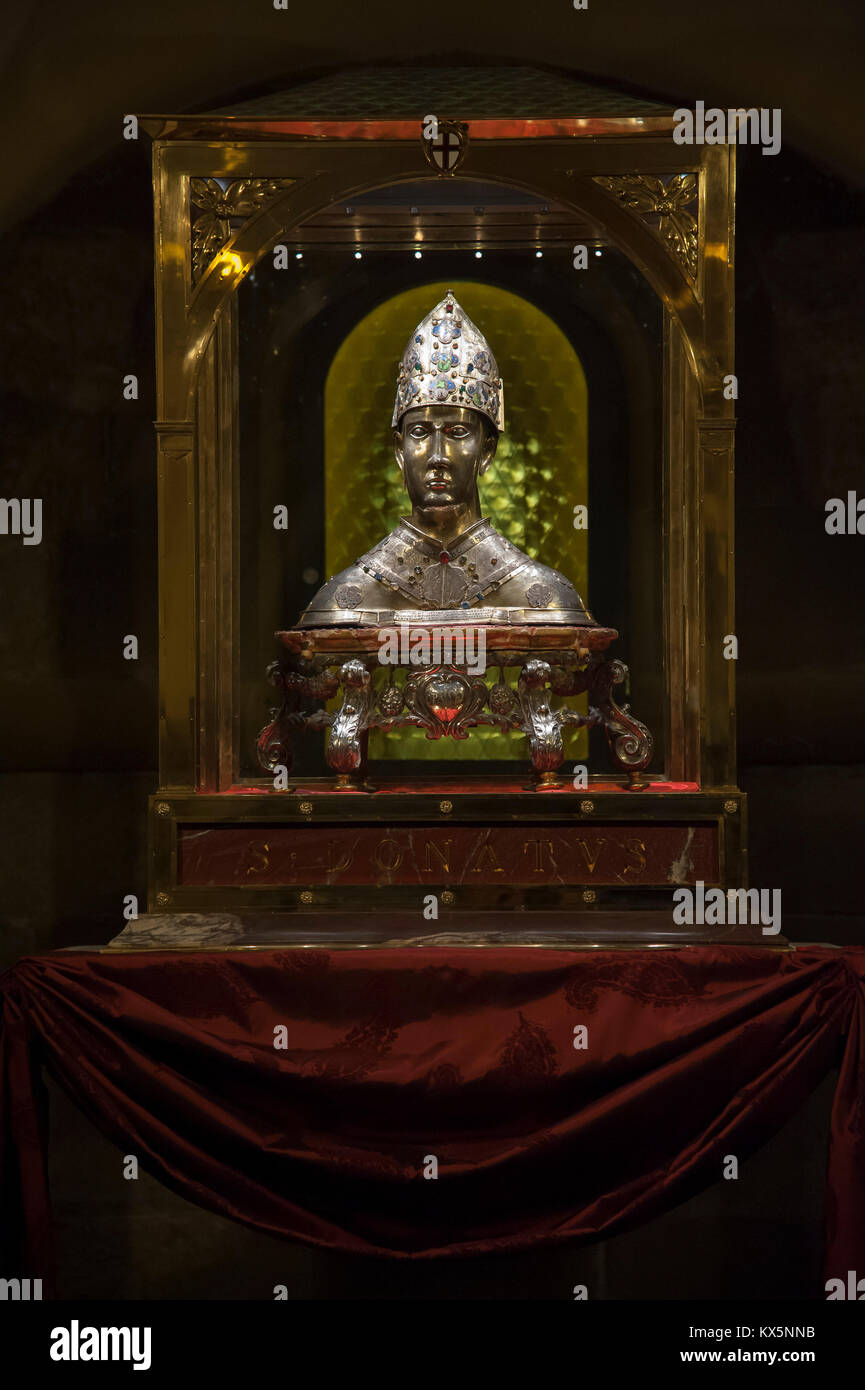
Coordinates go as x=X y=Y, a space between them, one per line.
x=447 y=361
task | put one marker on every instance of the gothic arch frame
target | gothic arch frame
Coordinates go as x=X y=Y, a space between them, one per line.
x=283 y=178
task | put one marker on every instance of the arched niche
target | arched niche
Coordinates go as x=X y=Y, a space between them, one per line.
x=295 y=326
x=538 y=477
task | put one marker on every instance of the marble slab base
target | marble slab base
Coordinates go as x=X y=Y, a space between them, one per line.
x=191 y=931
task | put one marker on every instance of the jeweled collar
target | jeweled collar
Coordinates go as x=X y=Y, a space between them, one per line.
x=436 y=548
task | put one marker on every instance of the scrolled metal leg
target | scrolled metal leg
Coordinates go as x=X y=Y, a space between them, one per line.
x=540 y=722
x=274 y=744
x=347 y=741
x=630 y=741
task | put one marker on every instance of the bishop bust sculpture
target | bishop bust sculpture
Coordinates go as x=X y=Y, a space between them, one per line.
x=446 y=557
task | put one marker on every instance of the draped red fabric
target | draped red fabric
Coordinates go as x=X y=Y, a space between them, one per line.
x=307 y=1093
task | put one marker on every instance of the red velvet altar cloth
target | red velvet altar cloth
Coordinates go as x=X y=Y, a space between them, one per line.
x=464 y=1054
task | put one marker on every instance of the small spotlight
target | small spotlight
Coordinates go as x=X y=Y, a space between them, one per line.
x=358 y=255
x=597 y=251
x=538 y=254
x=478 y=255
x=418 y=255
x=298 y=255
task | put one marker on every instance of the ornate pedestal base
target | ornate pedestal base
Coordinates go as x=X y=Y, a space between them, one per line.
x=485 y=852
x=448 y=696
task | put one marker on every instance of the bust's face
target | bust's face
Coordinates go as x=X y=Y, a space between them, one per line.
x=442 y=450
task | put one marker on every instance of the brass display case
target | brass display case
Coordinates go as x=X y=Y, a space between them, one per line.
x=295 y=226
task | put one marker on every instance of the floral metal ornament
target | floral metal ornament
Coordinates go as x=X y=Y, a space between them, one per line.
x=664 y=204
x=445 y=701
x=539 y=595
x=224 y=210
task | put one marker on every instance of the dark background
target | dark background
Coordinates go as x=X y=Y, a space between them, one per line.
x=79 y=722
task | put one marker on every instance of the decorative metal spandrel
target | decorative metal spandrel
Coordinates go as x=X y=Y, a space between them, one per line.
x=663 y=204
x=224 y=209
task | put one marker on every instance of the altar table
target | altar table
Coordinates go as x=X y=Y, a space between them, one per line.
x=558 y=1096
